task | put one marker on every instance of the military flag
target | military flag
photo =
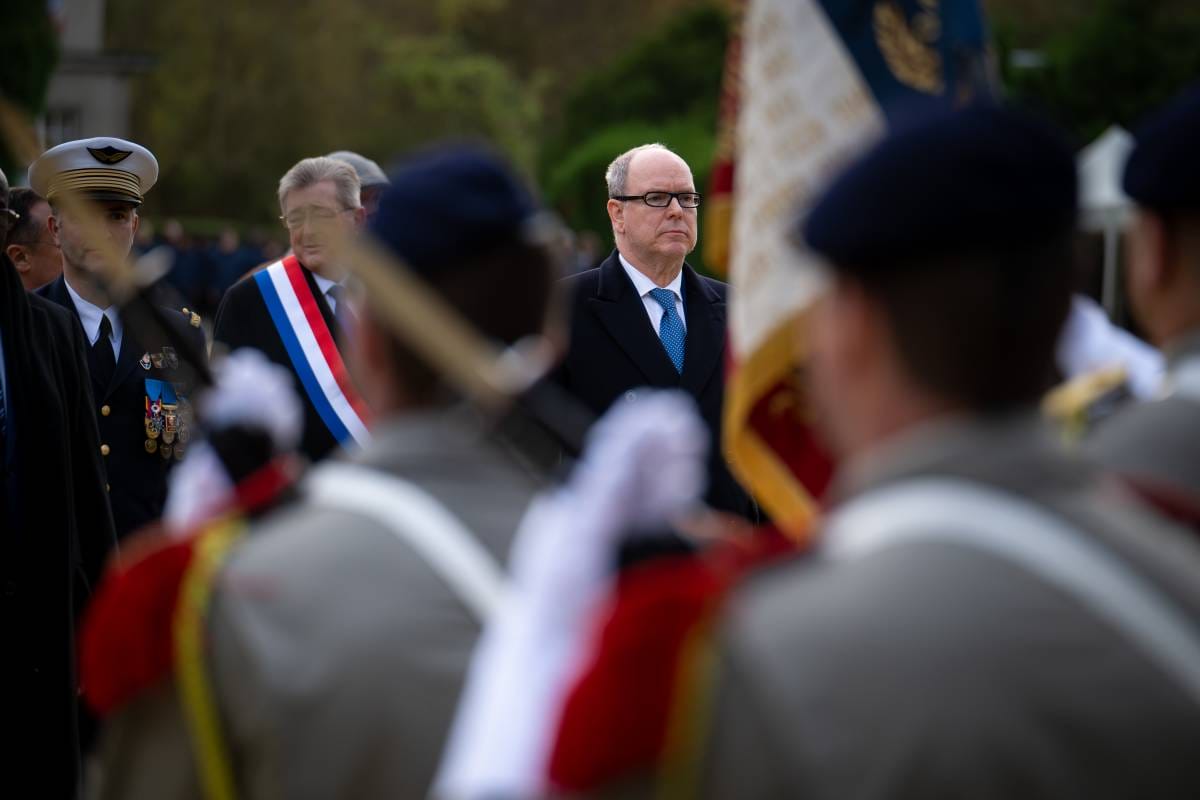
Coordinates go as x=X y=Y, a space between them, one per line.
x=816 y=81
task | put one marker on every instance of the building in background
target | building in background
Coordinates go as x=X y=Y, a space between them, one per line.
x=89 y=94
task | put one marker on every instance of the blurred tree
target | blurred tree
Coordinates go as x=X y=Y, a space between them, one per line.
x=558 y=43
x=1113 y=64
x=240 y=95
x=28 y=53
x=242 y=91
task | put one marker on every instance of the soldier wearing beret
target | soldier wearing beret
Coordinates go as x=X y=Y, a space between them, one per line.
x=1155 y=445
x=984 y=616
x=340 y=630
x=140 y=381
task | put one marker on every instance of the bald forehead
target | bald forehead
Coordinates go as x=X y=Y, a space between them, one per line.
x=659 y=170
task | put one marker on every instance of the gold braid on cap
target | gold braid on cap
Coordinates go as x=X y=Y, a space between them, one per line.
x=84 y=181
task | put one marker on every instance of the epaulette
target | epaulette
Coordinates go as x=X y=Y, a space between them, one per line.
x=1079 y=404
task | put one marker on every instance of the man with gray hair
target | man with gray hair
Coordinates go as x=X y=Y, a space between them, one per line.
x=294 y=310
x=370 y=176
x=644 y=317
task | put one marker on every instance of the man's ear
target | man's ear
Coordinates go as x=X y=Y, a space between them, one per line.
x=616 y=215
x=360 y=218
x=20 y=259
x=53 y=225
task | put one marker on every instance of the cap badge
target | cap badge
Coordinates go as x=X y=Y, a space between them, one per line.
x=109 y=154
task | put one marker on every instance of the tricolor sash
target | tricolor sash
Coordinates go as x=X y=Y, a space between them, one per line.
x=310 y=346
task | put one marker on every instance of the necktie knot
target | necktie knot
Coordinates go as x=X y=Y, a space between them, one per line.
x=105 y=328
x=665 y=298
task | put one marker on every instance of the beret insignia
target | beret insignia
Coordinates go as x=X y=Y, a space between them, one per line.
x=109 y=154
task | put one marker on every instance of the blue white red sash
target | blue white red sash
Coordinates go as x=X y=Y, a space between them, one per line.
x=310 y=346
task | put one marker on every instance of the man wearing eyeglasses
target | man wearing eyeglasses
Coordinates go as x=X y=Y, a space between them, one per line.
x=294 y=310
x=30 y=246
x=644 y=317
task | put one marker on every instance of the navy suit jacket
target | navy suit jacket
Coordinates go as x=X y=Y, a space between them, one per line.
x=614 y=350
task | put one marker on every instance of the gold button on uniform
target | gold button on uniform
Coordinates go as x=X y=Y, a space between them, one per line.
x=103 y=449
x=105 y=411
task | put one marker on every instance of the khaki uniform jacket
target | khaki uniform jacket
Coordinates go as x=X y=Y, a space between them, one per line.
x=931 y=669
x=1156 y=444
x=337 y=653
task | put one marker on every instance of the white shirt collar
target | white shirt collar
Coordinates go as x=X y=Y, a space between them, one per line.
x=90 y=314
x=643 y=284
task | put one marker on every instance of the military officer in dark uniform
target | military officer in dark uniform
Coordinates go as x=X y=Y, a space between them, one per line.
x=139 y=379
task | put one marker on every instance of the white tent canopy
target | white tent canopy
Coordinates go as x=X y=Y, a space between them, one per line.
x=1103 y=205
x=1101 y=200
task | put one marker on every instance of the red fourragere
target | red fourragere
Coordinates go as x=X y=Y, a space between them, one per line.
x=126 y=641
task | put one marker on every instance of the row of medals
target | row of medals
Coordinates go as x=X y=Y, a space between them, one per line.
x=170 y=424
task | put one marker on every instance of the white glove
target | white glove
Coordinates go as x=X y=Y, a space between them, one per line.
x=250 y=390
x=644 y=464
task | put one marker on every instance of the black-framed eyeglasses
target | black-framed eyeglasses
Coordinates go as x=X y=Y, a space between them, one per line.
x=663 y=199
x=11 y=216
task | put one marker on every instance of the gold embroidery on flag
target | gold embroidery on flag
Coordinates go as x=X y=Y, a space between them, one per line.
x=907 y=51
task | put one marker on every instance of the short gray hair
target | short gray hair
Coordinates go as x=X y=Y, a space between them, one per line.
x=618 y=171
x=311 y=171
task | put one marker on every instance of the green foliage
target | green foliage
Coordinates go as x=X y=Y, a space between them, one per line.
x=457 y=92
x=665 y=88
x=28 y=53
x=241 y=91
x=675 y=72
x=241 y=95
x=1118 y=63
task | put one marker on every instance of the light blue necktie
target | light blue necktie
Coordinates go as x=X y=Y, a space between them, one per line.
x=671 y=330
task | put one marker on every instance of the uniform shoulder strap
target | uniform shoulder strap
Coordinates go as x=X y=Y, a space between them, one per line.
x=1037 y=541
x=420 y=521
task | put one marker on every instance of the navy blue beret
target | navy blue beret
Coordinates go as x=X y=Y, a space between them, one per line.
x=451 y=204
x=1163 y=172
x=978 y=179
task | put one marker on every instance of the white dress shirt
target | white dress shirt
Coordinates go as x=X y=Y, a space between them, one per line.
x=643 y=285
x=90 y=314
